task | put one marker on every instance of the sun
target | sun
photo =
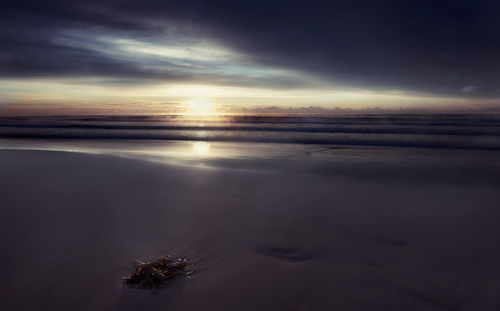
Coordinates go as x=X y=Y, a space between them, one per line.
x=199 y=106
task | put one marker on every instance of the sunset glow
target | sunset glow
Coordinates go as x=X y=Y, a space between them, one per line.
x=200 y=106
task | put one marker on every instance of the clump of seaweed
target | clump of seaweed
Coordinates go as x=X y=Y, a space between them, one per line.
x=152 y=274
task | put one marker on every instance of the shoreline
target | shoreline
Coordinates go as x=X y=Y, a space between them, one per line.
x=377 y=164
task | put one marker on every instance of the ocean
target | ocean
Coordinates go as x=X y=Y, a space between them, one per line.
x=421 y=131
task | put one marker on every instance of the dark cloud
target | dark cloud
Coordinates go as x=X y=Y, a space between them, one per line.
x=438 y=47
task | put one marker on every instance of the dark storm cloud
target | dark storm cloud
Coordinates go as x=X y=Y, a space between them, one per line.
x=436 y=47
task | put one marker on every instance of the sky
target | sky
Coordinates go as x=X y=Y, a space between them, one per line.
x=153 y=56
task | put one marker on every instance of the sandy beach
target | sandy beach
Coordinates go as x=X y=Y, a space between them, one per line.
x=288 y=239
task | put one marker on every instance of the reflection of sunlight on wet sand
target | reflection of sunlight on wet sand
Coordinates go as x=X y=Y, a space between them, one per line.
x=201 y=148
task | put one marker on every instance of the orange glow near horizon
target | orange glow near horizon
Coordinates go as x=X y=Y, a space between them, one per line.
x=88 y=97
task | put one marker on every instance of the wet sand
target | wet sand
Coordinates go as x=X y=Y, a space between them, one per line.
x=295 y=239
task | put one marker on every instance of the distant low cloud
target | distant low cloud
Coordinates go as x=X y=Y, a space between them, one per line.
x=314 y=110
